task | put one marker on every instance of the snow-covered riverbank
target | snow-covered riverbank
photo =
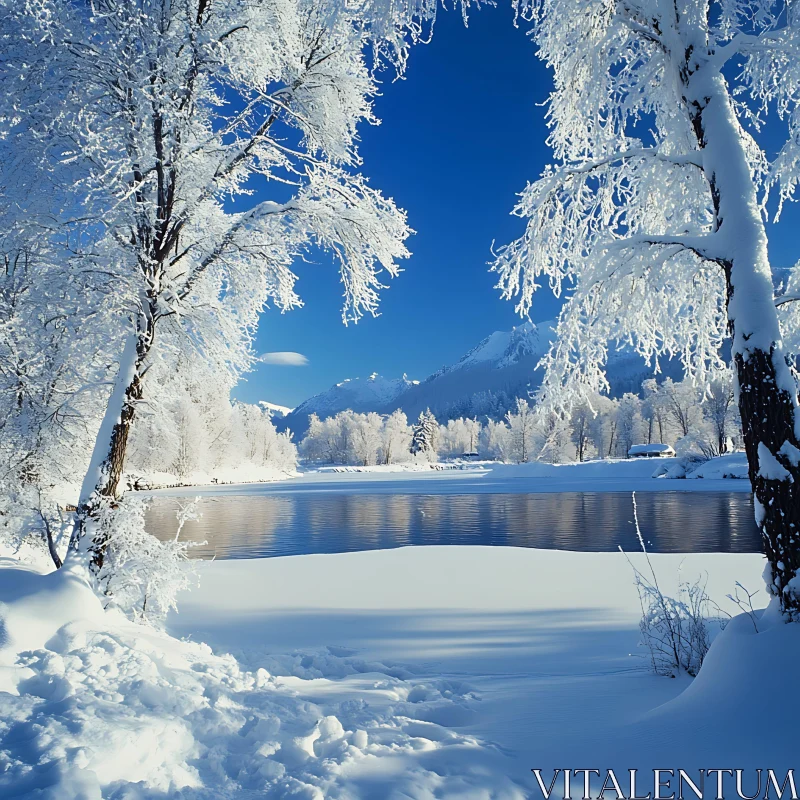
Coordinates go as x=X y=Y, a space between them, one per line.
x=419 y=673
x=609 y=475
x=234 y=475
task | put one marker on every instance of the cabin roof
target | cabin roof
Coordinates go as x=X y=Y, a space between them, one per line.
x=650 y=448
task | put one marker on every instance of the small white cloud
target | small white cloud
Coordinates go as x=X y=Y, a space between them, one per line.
x=287 y=359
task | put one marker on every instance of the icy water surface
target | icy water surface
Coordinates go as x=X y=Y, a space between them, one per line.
x=282 y=524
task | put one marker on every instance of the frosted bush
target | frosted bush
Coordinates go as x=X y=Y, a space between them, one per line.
x=142 y=575
x=674 y=630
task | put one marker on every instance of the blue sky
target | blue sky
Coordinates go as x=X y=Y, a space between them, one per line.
x=460 y=136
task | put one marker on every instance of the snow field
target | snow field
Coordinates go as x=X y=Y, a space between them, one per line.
x=428 y=672
x=92 y=706
x=545 y=641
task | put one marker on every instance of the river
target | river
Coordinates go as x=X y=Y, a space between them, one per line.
x=347 y=513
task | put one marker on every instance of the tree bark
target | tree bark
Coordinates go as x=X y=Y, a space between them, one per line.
x=101 y=484
x=767 y=393
x=768 y=420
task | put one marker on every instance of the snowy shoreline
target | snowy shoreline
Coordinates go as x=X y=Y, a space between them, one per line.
x=166 y=480
x=490 y=477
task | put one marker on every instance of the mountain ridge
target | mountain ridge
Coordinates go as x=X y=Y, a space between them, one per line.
x=484 y=381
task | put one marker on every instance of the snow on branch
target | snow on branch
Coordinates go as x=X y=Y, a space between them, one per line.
x=363 y=229
x=627 y=223
x=166 y=123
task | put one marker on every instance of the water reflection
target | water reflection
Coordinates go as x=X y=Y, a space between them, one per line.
x=279 y=525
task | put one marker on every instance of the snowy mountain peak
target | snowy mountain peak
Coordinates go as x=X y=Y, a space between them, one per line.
x=504 y=348
x=357 y=394
x=504 y=363
x=274 y=409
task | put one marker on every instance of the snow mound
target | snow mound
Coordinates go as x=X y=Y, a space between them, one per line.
x=93 y=706
x=732 y=465
x=748 y=669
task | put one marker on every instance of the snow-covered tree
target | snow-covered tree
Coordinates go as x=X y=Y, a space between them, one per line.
x=629 y=426
x=424 y=435
x=367 y=438
x=395 y=439
x=719 y=409
x=555 y=437
x=473 y=429
x=51 y=383
x=581 y=418
x=141 y=134
x=654 y=411
x=652 y=215
x=682 y=402
x=311 y=447
x=495 y=441
x=196 y=433
x=458 y=437
x=522 y=425
x=713 y=427
x=602 y=427
x=188 y=430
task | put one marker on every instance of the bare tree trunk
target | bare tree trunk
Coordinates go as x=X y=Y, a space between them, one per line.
x=51 y=544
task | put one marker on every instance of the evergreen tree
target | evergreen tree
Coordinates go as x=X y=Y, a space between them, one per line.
x=423 y=435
